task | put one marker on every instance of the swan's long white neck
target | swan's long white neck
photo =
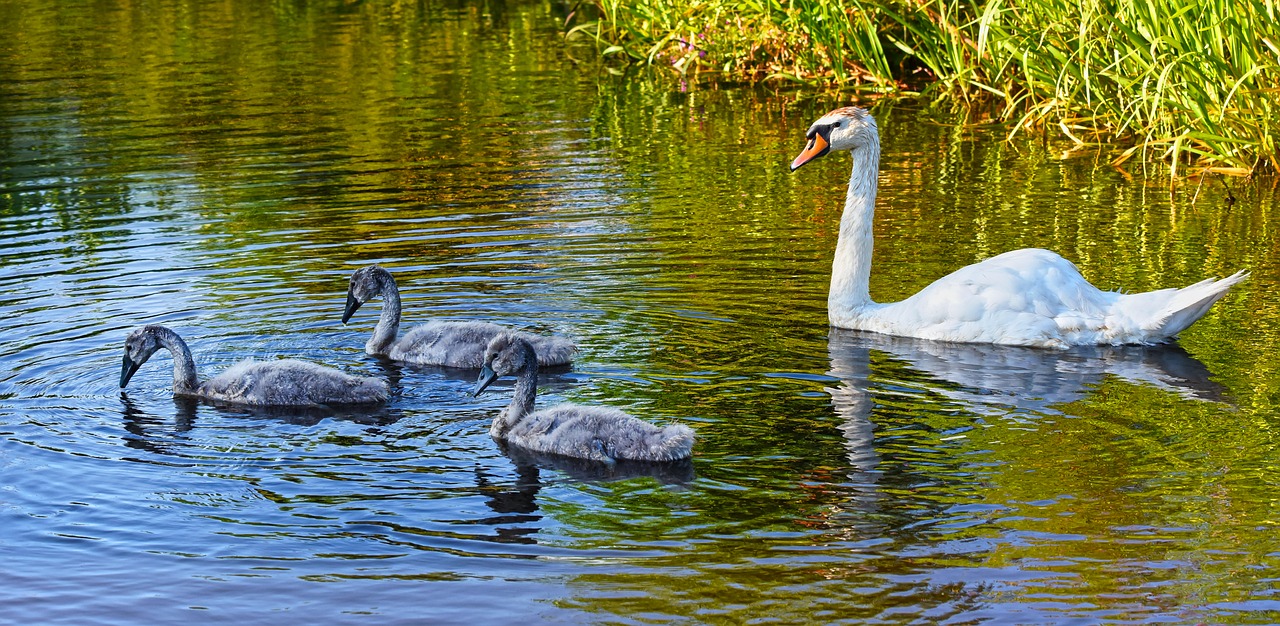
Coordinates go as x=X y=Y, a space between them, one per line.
x=184 y=367
x=384 y=334
x=851 y=269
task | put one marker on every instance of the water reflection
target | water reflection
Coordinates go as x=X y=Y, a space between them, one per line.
x=942 y=441
x=515 y=501
x=1011 y=382
x=184 y=163
x=671 y=473
x=515 y=504
x=151 y=432
x=992 y=380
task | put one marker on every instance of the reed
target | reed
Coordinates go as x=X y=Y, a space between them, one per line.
x=1193 y=84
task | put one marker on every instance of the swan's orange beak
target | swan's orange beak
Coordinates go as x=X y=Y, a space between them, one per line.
x=817 y=147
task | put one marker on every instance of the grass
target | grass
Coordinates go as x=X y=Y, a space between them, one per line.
x=1193 y=84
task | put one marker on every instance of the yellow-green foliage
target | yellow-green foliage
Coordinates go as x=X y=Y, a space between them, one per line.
x=1192 y=82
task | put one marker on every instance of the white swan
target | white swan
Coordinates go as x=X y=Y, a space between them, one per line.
x=284 y=382
x=1026 y=297
x=452 y=344
x=585 y=432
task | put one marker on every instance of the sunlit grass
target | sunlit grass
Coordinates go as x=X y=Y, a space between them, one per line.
x=1190 y=83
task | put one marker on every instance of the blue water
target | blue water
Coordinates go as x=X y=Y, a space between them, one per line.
x=222 y=169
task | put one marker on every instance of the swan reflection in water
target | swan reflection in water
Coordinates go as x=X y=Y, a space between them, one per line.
x=992 y=380
x=587 y=470
x=156 y=432
x=515 y=505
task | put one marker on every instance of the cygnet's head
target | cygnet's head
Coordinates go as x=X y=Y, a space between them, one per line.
x=846 y=128
x=138 y=347
x=506 y=354
x=366 y=283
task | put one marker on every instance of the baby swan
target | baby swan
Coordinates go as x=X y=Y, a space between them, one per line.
x=451 y=344
x=595 y=433
x=285 y=382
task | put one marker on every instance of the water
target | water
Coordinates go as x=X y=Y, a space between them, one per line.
x=222 y=168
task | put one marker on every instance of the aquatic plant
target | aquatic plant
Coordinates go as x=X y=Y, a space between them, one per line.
x=1192 y=83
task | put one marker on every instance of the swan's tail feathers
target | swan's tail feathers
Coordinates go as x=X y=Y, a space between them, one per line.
x=552 y=351
x=1188 y=305
x=671 y=443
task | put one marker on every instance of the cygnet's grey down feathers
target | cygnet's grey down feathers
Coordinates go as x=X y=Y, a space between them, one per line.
x=597 y=433
x=290 y=382
x=285 y=382
x=462 y=344
x=447 y=343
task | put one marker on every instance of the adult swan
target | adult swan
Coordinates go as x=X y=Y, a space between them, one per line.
x=1027 y=297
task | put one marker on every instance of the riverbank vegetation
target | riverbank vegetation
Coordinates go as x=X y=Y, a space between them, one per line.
x=1194 y=84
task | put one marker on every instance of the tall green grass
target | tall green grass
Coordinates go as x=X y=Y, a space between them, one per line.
x=1190 y=83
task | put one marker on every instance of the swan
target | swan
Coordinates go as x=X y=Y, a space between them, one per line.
x=284 y=382
x=451 y=344
x=1028 y=297
x=595 y=433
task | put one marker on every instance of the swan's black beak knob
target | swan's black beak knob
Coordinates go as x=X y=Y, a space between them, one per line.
x=487 y=376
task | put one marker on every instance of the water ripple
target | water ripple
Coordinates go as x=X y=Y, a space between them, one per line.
x=222 y=169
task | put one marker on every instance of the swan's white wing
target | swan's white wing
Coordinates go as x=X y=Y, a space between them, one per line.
x=1028 y=297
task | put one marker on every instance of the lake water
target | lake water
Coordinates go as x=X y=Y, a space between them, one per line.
x=222 y=168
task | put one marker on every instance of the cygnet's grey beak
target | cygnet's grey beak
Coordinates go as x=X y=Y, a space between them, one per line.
x=126 y=372
x=487 y=376
x=352 y=305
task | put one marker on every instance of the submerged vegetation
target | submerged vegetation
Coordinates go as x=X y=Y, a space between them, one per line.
x=1194 y=83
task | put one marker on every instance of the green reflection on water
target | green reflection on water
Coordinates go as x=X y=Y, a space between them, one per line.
x=277 y=146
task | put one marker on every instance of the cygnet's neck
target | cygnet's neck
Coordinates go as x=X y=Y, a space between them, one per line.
x=522 y=399
x=388 y=322
x=184 y=367
x=851 y=269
